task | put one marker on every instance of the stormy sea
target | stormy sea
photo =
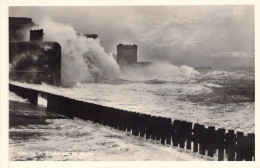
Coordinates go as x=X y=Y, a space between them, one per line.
x=225 y=99
x=212 y=97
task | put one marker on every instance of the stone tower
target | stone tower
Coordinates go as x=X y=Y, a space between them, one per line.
x=126 y=54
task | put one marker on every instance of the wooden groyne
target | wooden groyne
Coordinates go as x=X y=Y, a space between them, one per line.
x=225 y=144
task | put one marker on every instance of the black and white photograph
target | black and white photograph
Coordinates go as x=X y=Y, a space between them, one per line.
x=131 y=83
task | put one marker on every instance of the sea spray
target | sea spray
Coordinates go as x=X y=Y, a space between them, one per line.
x=83 y=59
x=160 y=71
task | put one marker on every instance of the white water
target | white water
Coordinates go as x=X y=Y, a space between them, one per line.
x=80 y=140
x=14 y=97
x=84 y=60
x=162 y=98
x=159 y=71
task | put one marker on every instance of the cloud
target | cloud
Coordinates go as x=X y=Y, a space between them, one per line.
x=180 y=34
x=189 y=27
x=233 y=55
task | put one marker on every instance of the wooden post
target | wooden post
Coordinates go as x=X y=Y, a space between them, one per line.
x=252 y=142
x=54 y=103
x=138 y=123
x=157 y=128
x=104 y=115
x=135 y=124
x=88 y=110
x=202 y=140
x=168 y=130
x=148 y=131
x=231 y=145
x=99 y=112
x=110 y=117
x=182 y=138
x=124 y=120
x=74 y=108
x=162 y=130
x=62 y=106
x=221 y=143
x=142 y=122
x=114 y=119
x=211 y=140
x=93 y=113
x=120 y=119
x=240 y=146
x=153 y=127
x=195 y=137
x=128 y=121
x=188 y=135
x=82 y=111
x=175 y=132
x=30 y=94
x=50 y=103
x=146 y=119
x=250 y=147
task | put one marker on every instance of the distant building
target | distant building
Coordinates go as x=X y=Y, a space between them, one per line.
x=126 y=54
x=33 y=61
x=19 y=27
x=202 y=68
x=94 y=36
x=36 y=35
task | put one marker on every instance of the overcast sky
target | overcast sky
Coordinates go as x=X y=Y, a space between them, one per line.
x=191 y=35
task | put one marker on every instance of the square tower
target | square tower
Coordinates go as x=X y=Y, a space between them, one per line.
x=126 y=54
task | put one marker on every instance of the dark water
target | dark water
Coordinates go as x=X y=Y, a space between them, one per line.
x=236 y=86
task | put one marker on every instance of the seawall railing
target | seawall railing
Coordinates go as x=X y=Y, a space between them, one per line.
x=221 y=143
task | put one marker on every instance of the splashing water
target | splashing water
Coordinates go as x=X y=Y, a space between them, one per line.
x=84 y=60
x=164 y=71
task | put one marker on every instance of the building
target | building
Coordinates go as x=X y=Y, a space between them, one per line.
x=36 y=35
x=19 y=27
x=126 y=55
x=32 y=60
x=94 y=36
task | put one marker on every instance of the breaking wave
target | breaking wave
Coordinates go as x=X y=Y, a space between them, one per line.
x=84 y=60
x=159 y=71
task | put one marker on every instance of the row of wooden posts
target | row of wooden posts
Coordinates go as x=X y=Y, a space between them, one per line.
x=224 y=144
